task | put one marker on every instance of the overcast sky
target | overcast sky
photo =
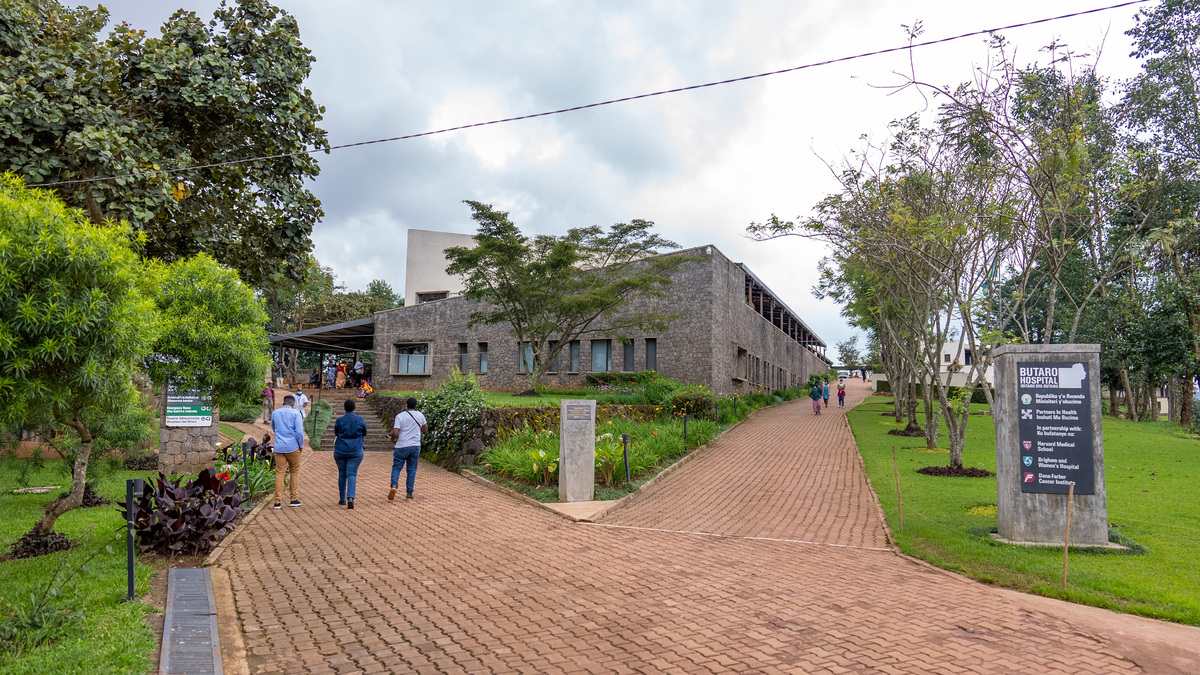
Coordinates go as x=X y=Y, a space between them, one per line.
x=701 y=165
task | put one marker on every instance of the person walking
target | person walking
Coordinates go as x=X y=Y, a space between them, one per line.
x=268 y=401
x=864 y=373
x=341 y=376
x=348 y=433
x=815 y=395
x=841 y=393
x=330 y=374
x=406 y=432
x=825 y=392
x=288 y=426
x=301 y=403
x=358 y=372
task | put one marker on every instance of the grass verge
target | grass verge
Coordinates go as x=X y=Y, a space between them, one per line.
x=1153 y=487
x=317 y=422
x=112 y=636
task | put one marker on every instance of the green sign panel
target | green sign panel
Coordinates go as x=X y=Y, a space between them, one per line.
x=188 y=409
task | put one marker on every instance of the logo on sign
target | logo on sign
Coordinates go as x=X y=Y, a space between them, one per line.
x=1026 y=399
x=1026 y=414
x=1027 y=444
x=1028 y=478
x=1028 y=460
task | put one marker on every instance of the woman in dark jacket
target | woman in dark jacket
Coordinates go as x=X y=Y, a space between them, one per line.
x=348 y=431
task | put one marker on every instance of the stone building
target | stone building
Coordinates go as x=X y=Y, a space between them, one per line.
x=732 y=334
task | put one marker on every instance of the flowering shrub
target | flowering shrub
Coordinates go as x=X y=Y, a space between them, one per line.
x=694 y=401
x=453 y=411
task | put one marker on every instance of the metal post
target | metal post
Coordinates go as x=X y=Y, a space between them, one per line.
x=717 y=416
x=735 y=408
x=246 y=467
x=685 y=419
x=625 y=442
x=132 y=485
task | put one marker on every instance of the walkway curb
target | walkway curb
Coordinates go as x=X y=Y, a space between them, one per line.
x=862 y=464
x=471 y=475
x=241 y=527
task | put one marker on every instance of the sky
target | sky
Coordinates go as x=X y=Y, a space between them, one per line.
x=702 y=164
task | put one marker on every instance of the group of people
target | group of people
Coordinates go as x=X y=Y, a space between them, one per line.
x=820 y=392
x=337 y=376
x=349 y=431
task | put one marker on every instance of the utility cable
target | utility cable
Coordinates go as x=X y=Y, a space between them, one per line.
x=625 y=99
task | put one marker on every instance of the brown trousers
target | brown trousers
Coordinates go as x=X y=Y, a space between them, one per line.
x=284 y=461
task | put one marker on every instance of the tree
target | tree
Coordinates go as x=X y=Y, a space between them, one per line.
x=114 y=123
x=557 y=289
x=212 y=338
x=848 y=352
x=73 y=324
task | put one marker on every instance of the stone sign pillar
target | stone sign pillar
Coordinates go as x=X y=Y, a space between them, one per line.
x=187 y=433
x=577 y=451
x=1048 y=436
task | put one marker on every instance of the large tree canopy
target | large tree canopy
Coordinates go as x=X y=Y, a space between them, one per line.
x=552 y=288
x=132 y=109
x=72 y=323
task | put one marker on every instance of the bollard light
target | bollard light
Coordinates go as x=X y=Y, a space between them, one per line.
x=685 y=420
x=625 y=451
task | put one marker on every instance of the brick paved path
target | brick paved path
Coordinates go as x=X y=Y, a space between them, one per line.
x=466 y=580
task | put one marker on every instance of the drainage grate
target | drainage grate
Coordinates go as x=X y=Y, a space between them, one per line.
x=190 y=642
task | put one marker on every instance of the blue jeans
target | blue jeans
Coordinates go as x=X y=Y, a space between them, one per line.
x=402 y=456
x=347 y=474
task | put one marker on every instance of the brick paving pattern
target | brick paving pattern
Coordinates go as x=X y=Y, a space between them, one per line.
x=786 y=474
x=467 y=580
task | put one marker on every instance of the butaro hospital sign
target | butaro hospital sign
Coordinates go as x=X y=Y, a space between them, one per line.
x=1048 y=438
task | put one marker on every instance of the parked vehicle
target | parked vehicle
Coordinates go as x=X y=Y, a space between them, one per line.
x=843 y=373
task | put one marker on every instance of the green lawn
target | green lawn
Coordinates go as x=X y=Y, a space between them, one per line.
x=231 y=432
x=113 y=637
x=1153 y=477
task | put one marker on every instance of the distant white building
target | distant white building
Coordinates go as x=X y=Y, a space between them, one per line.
x=425 y=278
x=957 y=359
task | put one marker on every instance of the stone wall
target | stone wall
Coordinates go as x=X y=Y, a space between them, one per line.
x=713 y=325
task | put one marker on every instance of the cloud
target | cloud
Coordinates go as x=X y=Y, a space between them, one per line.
x=702 y=164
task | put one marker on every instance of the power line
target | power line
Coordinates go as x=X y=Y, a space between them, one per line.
x=663 y=92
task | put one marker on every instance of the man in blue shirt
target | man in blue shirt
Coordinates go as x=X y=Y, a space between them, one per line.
x=289 y=439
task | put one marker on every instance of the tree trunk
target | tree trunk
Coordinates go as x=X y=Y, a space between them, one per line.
x=1112 y=400
x=78 y=477
x=913 y=425
x=1185 y=401
x=1130 y=403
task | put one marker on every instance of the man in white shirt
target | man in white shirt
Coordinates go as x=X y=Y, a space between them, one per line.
x=358 y=372
x=406 y=432
x=302 y=403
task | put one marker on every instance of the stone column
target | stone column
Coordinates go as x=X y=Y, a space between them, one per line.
x=577 y=450
x=188 y=449
x=1048 y=434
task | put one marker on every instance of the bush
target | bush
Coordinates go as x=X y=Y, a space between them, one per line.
x=453 y=411
x=244 y=414
x=175 y=517
x=659 y=390
x=694 y=401
x=638 y=378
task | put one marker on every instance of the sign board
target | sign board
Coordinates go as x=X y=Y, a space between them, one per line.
x=1055 y=427
x=576 y=411
x=188 y=409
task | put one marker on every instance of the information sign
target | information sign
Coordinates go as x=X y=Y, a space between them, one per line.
x=188 y=409
x=576 y=411
x=1055 y=427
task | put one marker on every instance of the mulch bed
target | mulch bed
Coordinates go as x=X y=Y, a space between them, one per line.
x=32 y=545
x=961 y=471
x=90 y=497
x=905 y=432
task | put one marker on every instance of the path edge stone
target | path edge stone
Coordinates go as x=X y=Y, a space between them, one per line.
x=505 y=490
x=862 y=465
x=241 y=527
x=229 y=628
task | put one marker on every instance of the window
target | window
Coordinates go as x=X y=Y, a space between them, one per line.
x=525 y=357
x=549 y=350
x=464 y=363
x=967 y=357
x=412 y=359
x=574 y=346
x=431 y=296
x=945 y=358
x=601 y=356
x=629 y=367
x=483 y=357
x=651 y=353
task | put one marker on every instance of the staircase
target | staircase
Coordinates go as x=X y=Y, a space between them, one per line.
x=376 y=439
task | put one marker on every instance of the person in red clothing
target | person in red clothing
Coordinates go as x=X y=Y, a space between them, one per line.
x=841 y=393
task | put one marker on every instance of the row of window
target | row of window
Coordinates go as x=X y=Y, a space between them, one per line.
x=757 y=371
x=413 y=359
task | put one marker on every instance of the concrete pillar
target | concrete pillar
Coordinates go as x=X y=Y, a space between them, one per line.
x=577 y=450
x=1048 y=434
